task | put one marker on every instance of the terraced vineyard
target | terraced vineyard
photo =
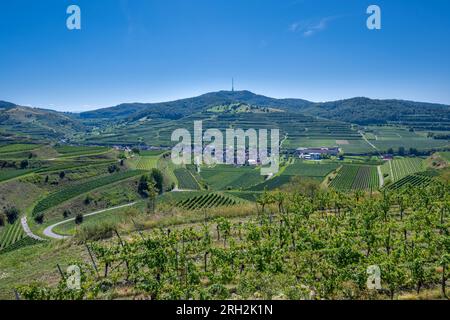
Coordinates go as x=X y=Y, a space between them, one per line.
x=209 y=200
x=11 y=174
x=76 y=190
x=18 y=148
x=13 y=237
x=147 y=163
x=416 y=180
x=311 y=170
x=224 y=177
x=271 y=184
x=74 y=151
x=445 y=155
x=185 y=180
x=405 y=167
x=356 y=178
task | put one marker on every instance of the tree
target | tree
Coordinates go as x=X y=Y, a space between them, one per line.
x=39 y=218
x=79 y=218
x=88 y=200
x=143 y=186
x=62 y=174
x=24 y=164
x=113 y=168
x=158 y=179
x=67 y=213
x=12 y=214
x=401 y=151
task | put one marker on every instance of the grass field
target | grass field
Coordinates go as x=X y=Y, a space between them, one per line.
x=112 y=218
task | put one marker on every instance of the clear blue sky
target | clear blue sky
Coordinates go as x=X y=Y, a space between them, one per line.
x=158 y=50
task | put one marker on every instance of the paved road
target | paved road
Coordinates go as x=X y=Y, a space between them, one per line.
x=381 y=177
x=27 y=229
x=368 y=142
x=48 y=232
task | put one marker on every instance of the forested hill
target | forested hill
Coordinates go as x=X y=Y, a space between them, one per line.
x=6 y=105
x=355 y=110
x=179 y=108
x=361 y=111
x=369 y=111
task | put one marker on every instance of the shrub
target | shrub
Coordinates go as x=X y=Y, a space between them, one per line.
x=113 y=168
x=2 y=219
x=12 y=213
x=39 y=218
x=79 y=219
x=88 y=200
x=62 y=174
x=67 y=213
x=95 y=232
x=24 y=164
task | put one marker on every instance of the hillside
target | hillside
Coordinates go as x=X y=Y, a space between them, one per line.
x=38 y=123
x=366 y=111
x=152 y=123
x=179 y=108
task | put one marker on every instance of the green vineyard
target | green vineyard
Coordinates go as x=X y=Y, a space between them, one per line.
x=300 y=168
x=76 y=190
x=399 y=168
x=210 y=200
x=11 y=174
x=415 y=180
x=356 y=178
x=186 y=180
x=13 y=237
x=18 y=148
x=74 y=151
x=147 y=163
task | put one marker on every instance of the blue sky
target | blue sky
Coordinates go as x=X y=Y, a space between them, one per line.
x=158 y=50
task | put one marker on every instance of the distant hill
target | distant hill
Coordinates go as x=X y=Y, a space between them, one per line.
x=180 y=108
x=132 y=116
x=6 y=105
x=240 y=107
x=38 y=123
x=366 y=111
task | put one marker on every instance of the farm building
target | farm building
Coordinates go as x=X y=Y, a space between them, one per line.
x=316 y=153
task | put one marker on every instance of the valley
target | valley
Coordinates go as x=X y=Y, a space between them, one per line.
x=103 y=177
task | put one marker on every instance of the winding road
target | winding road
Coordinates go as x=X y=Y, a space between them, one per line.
x=27 y=229
x=48 y=232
